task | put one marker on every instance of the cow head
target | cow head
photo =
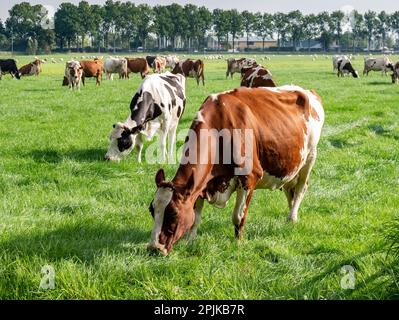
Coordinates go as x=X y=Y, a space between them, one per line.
x=122 y=141
x=173 y=211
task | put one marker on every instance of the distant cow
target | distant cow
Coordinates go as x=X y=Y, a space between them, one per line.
x=115 y=65
x=73 y=74
x=171 y=61
x=345 y=67
x=92 y=69
x=33 y=68
x=395 y=74
x=150 y=60
x=377 y=64
x=157 y=106
x=278 y=152
x=137 y=65
x=235 y=65
x=336 y=59
x=159 y=65
x=191 y=68
x=9 y=66
x=256 y=76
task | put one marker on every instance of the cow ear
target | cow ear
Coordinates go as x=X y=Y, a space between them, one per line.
x=159 y=177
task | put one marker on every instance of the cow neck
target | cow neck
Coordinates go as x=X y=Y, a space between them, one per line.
x=202 y=175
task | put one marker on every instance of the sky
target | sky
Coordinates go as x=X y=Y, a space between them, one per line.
x=306 y=6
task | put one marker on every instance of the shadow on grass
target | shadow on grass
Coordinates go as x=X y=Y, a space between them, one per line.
x=55 y=156
x=379 y=83
x=84 y=240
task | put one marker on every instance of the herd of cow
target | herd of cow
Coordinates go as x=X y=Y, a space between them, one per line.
x=283 y=124
x=343 y=65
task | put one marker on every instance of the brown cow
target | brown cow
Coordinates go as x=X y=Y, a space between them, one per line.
x=191 y=68
x=92 y=69
x=33 y=68
x=137 y=65
x=159 y=65
x=270 y=138
x=256 y=76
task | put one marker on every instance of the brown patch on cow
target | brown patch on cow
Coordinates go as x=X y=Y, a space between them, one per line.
x=256 y=81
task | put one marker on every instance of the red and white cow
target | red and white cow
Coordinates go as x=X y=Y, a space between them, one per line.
x=191 y=68
x=256 y=76
x=278 y=150
x=395 y=74
x=73 y=74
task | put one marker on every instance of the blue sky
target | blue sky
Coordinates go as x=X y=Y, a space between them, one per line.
x=306 y=6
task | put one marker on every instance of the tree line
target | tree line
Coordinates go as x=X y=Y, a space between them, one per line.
x=120 y=25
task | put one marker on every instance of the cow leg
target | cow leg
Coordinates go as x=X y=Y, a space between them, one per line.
x=139 y=146
x=240 y=210
x=162 y=143
x=298 y=191
x=199 y=205
x=172 y=142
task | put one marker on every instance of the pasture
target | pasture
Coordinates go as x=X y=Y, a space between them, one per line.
x=63 y=206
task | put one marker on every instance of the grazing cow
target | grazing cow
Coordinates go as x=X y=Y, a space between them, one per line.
x=191 y=68
x=115 y=65
x=336 y=59
x=256 y=76
x=9 y=66
x=282 y=128
x=137 y=65
x=395 y=74
x=156 y=107
x=171 y=61
x=382 y=64
x=73 y=74
x=33 y=68
x=345 y=67
x=150 y=60
x=235 y=65
x=159 y=65
x=92 y=69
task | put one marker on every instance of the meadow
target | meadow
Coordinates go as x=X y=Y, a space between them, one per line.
x=63 y=206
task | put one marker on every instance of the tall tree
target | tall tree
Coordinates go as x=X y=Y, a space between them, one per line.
x=145 y=23
x=66 y=23
x=296 y=26
x=281 y=23
x=162 y=23
x=325 y=26
x=204 y=25
x=310 y=28
x=190 y=13
x=248 y=20
x=370 y=21
x=394 y=23
x=358 y=28
x=87 y=23
x=236 y=25
x=383 y=26
x=263 y=26
x=179 y=23
x=221 y=24
x=337 y=18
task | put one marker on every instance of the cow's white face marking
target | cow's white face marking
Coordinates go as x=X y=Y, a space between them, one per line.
x=199 y=117
x=161 y=199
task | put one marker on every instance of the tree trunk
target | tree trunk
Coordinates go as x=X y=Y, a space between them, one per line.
x=309 y=44
x=263 y=44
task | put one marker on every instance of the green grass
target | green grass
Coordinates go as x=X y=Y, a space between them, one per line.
x=61 y=205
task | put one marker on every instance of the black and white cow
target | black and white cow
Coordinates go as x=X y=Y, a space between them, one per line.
x=156 y=107
x=9 y=66
x=345 y=67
